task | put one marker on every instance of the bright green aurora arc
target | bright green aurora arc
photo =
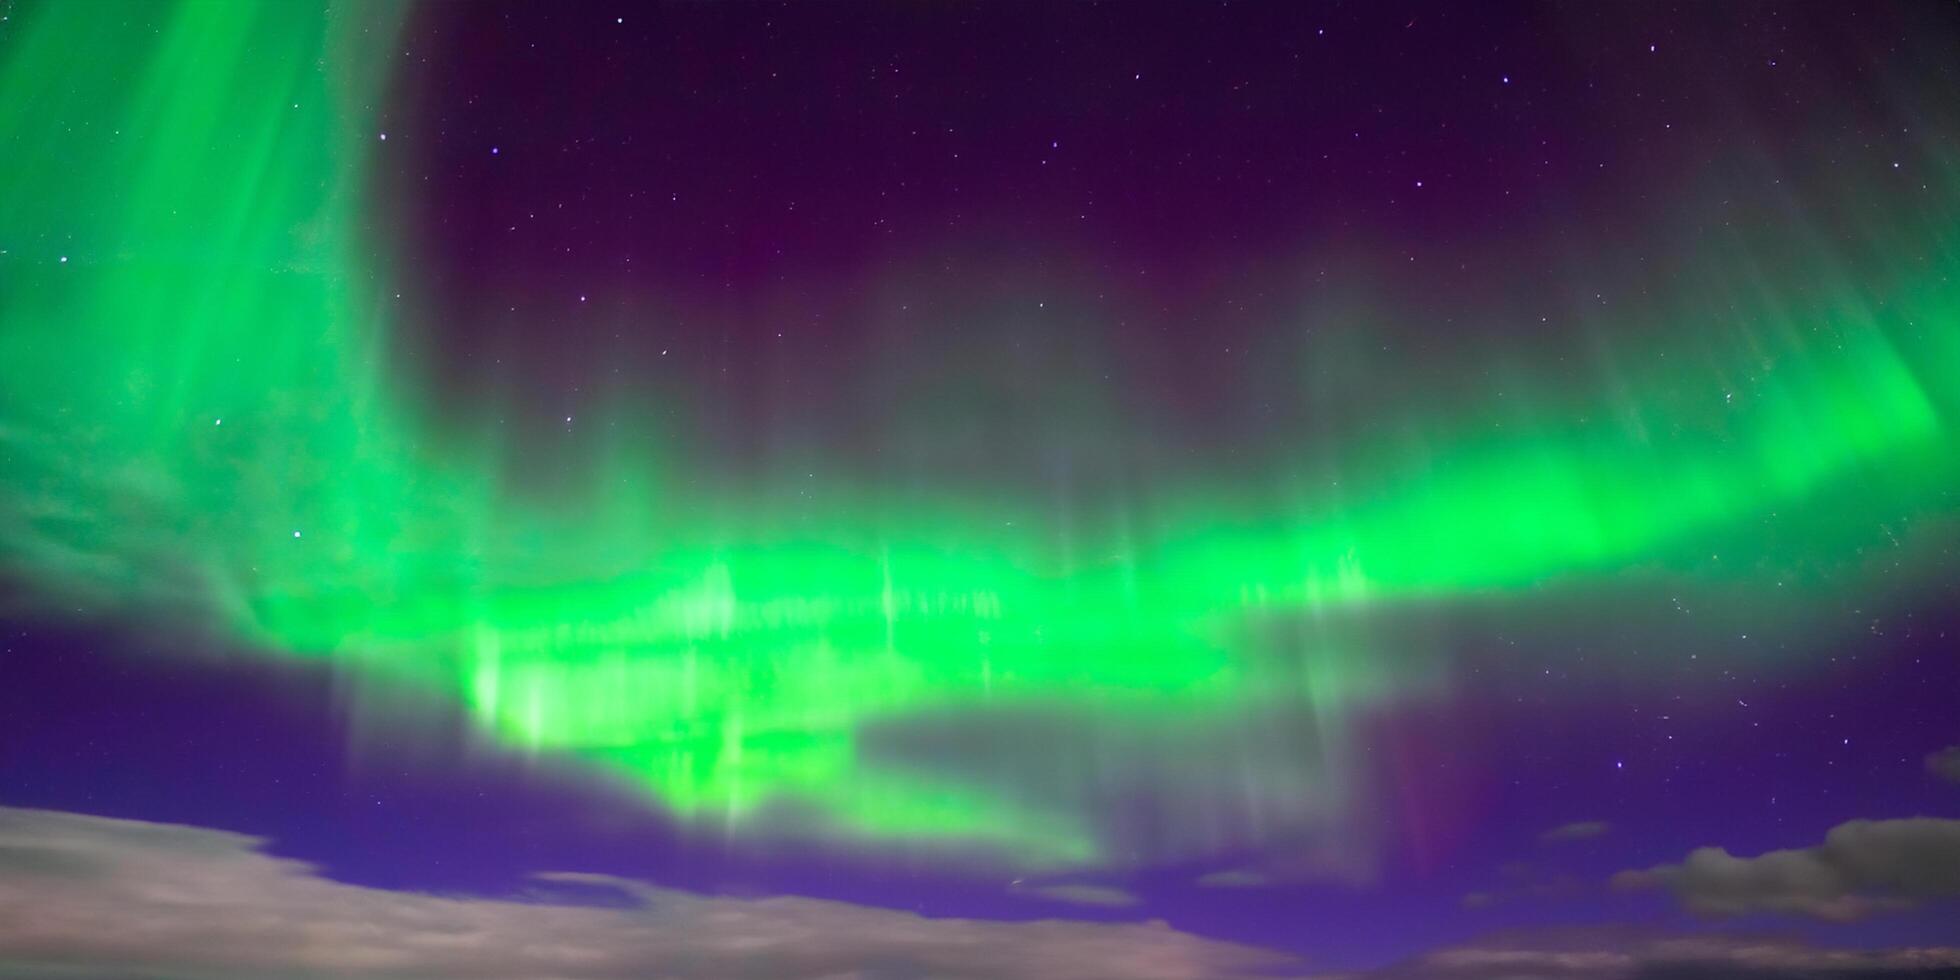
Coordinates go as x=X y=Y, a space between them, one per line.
x=204 y=420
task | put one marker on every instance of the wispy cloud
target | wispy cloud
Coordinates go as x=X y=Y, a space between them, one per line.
x=1105 y=896
x=1945 y=763
x=1234 y=878
x=1578 y=830
x=1519 y=880
x=82 y=895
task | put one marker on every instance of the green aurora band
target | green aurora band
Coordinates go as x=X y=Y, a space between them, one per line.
x=203 y=418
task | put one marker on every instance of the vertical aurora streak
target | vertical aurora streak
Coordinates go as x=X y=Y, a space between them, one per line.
x=204 y=420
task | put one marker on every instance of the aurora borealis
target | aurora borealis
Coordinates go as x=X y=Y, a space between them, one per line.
x=901 y=477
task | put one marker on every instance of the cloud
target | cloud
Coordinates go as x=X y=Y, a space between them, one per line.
x=1627 y=954
x=1294 y=859
x=1234 y=878
x=96 y=897
x=1102 y=895
x=1580 y=830
x=1945 y=763
x=1863 y=866
x=1520 y=881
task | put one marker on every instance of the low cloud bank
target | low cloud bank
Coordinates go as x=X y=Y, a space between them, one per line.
x=1627 y=954
x=82 y=895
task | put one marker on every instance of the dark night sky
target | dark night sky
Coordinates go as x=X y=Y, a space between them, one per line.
x=796 y=205
x=1063 y=260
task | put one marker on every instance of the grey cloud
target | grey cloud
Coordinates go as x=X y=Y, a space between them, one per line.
x=1579 y=830
x=1945 y=763
x=1862 y=867
x=1102 y=895
x=1234 y=878
x=1292 y=859
x=96 y=897
x=1520 y=881
x=1626 y=954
